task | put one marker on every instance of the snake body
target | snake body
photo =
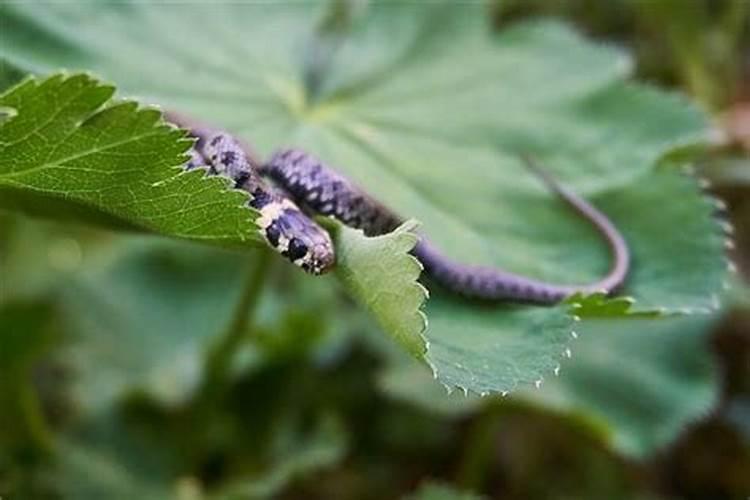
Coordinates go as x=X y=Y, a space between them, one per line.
x=284 y=226
x=300 y=184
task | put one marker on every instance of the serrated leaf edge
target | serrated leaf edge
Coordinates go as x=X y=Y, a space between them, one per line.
x=225 y=184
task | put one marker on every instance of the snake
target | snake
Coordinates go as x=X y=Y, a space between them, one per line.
x=294 y=186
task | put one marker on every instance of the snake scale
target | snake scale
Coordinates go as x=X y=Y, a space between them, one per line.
x=293 y=184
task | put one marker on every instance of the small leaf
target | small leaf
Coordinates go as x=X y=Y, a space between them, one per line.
x=599 y=304
x=382 y=275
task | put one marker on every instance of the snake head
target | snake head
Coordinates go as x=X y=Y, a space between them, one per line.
x=297 y=237
x=320 y=257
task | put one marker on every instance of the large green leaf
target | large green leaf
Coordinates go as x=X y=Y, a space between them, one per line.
x=643 y=396
x=495 y=348
x=62 y=155
x=640 y=379
x=431 y=122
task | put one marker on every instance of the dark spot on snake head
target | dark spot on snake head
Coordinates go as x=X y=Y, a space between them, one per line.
x=241 y=179
x=228 y=157
x=260 y=198
x=297 y=249
x=272 y=234
x=297 y=156
x=284 y=155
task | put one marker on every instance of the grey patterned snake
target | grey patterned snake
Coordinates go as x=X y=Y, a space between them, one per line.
x=293 y=184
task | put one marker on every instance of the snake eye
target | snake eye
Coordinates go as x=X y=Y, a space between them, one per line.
x=296 y=249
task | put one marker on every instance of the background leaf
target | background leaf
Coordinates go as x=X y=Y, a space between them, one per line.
x=430 y=141
x=295 y=457
x=495 y=348
x=640 y=398
x=436 y=491
x=596 y=432
x=643 y=396
x=143 y=316
x=136 y=323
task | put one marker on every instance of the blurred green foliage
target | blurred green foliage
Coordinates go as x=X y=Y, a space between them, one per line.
x=535 y=88
x=136 y=367
x=700 y=45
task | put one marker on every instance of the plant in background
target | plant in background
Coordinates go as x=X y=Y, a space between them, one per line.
x=430 y=122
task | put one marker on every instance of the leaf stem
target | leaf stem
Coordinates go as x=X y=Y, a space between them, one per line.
x=219 y=358
x=478 y=454
x=21 y=408
x=322 y=48
x=199 y=418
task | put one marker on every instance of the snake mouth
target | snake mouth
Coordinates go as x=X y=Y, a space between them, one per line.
x=322 y=258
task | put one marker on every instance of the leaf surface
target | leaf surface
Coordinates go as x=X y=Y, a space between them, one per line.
x=67 y=154
x=434 y=139
x=381 y=274
x=644 y=378
x=641 y=379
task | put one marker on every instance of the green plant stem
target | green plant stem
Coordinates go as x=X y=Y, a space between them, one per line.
x=324 y=46
x=21 y=411
x=478 y=450
x=220 y=356
x=200 y=416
